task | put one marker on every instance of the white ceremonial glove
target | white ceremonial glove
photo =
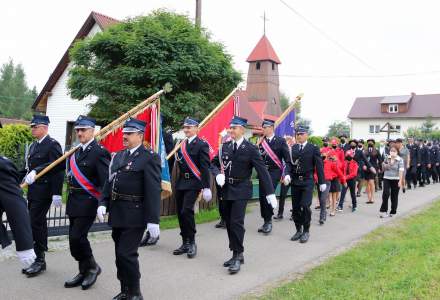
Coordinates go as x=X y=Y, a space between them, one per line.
x=373 y=170
x=206 y=194
x=220 y=179
x=154 y=230
x=322 y=187
x=272 y=200
x=26 y=257
x=30 y=178
x=57 y=201
x=100 y=213
x=287 y=180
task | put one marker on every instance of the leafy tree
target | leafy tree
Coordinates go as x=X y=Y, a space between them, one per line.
x=427 y=126
x=134 y=59
x=305 y=122
x=338 y=128
x=13 y=140
x=284 y=101
x=15 y=96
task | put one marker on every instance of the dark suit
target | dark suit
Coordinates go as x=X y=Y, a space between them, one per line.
x=133 y=200
x=238 y=187
x=422 y=170
x=13 y=203
x=81 y=206
x=304 y=163
x=411 y=173
x=281 y=150
x=41 y=191
x=188 y=186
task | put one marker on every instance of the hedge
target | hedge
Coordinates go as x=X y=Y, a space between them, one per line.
x=13 y=141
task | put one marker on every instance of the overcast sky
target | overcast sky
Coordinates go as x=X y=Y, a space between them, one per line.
x=387 y=37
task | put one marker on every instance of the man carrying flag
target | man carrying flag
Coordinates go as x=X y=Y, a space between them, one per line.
x=233 y=169
x=274 y=151
x=194 y=163
x=133 y=200
x=88 y=172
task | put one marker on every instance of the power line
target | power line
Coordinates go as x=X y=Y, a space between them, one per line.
x=328 y=37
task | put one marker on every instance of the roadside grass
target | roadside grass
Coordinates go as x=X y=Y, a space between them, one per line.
x=397 y=261
x=203 y=216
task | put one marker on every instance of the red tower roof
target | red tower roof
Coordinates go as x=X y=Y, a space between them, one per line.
x=263 y=51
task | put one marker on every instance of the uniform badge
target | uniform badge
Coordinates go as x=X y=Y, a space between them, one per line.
x=128 y=166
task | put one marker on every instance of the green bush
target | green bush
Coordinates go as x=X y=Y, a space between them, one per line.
x=316 y=140
x=13 y=140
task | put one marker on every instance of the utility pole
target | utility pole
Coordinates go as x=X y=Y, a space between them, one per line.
x=198 y=13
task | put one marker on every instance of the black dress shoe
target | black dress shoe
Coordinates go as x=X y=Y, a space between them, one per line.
x=296 y=236
x=267 y=227
x=90 y=277
x=278 y=217
x=38 y=267
x=135 y=297
x=134 y=294
x=221 y=224
x=304 y=237
x=192 y=250
x=235 y=266
x=75 y=281
x=120 y=296
x=228 y=263
x=321 y=222
x=23 y=271
x=182 y=249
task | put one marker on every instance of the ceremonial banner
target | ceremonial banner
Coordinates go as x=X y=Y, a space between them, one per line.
x=286 y=126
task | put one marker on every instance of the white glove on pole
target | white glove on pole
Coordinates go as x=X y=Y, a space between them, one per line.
x=57 y=201
x=220 y=179
x=272 y=200
x=286 y=180
x=30 y=178
x=100 y=213
x=26 y=257
x=322 y=187
x=206 y=194
x=154 y=230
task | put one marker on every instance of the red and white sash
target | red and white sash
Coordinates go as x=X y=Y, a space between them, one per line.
x=191 y=165
x=271 y=154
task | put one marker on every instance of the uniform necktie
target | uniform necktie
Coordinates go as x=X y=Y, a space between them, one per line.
x=235 y=147
x=301 y=148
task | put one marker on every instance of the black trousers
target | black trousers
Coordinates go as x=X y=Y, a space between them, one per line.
x=351 y=186
x=411 y=176
x=301 y=200
x=390 y=188
x=422 y=174
x=127 y=242
x=266 y=209
x=185 y=200
x=79 y=244
x=38 y=209
x=433 y=173
x=234 y=213
x=283 y=195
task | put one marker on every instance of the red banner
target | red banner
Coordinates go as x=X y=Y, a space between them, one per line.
x=219 y=122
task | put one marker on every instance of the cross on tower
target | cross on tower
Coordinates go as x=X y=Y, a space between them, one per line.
x=264 y=22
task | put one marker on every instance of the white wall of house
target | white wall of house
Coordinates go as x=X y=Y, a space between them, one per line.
x=361 y=128
x=61 y=108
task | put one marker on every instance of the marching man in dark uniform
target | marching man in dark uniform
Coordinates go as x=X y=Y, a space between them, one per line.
x=194 y=176
x=274 y=151
x=13 y=203
x=306 y=158
x=233 y=169
x=133 y=200
x=88 y=172
x=45 y=190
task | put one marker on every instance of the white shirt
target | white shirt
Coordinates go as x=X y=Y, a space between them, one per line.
x=190 y=139
x=239 y=142
x=132 y=150
x=302 y=145
x=84 y=146
x=42 y=139
x=269 y=138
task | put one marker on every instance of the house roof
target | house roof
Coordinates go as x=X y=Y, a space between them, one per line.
x=263 y=51
x=103 y=22
x=420 y=106
x=396 y=99
x=247 y=111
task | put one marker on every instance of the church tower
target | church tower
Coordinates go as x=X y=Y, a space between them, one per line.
x=263 y=78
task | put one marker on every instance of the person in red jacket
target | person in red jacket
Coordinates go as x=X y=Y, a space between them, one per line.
x=336 y=177
x=351 y=172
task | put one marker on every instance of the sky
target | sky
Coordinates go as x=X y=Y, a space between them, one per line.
x=332 y=51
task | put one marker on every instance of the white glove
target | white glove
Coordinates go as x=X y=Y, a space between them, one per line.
x=100 y=213
x=373 y=170
x=30 y=178
x=272 y=200
x=57 y=201
x=286 y=180
x=206 y=194
x=26 y=257
x=220 y=178
x=154 y=230
x=322 y=187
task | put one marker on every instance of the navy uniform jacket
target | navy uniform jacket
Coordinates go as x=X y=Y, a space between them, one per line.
x=304 y=164
x=238 y=171
x=13 y=203
x=344 y=147
x=435 y=154
x=280 y=148
x=132 y=196
x=93 y=164
x=39 y=157
x=414 y=155
x=425 y=157
x=198 y=150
